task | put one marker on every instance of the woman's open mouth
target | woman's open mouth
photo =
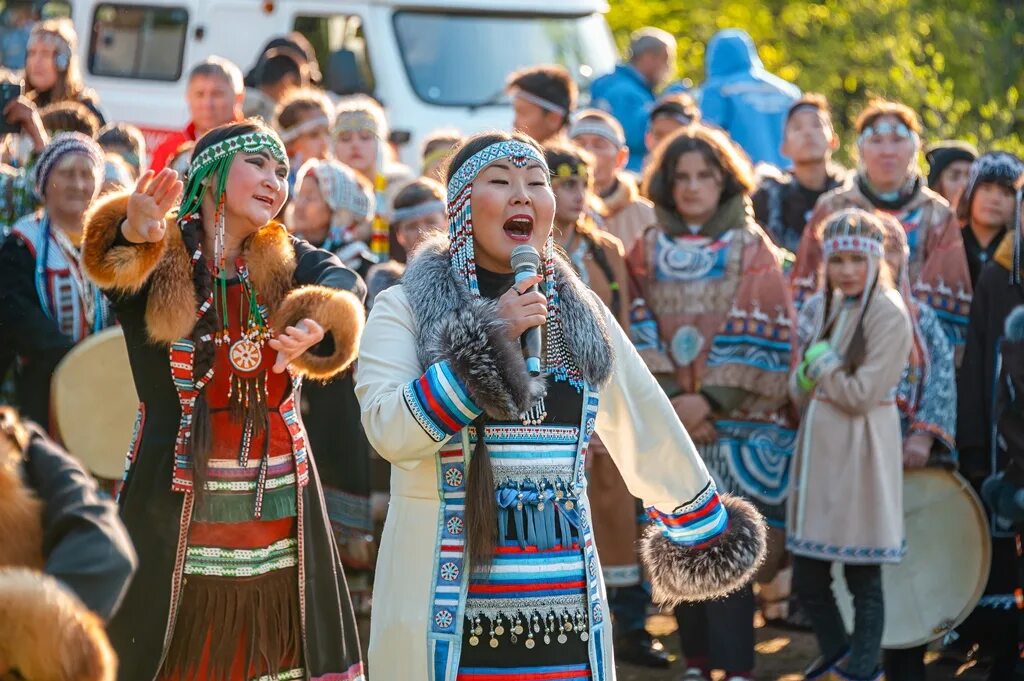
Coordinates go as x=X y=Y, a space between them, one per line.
x=519 y=227
x=265 y=199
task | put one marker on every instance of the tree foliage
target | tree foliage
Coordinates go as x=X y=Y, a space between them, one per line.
x=959 y=63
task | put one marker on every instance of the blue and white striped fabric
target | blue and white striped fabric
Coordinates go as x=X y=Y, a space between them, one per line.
x=440 y=402
x=696 y=523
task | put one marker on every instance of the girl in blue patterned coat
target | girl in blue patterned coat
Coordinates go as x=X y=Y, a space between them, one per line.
x=487 y=569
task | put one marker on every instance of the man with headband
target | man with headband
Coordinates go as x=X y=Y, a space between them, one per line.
x=625 y=213
x=543 y=98
x=628 y=92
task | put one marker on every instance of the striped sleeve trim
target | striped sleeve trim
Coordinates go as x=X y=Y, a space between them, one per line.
x=440 y=402
x=698 y=522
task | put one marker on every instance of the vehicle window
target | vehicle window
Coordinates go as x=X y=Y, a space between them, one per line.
x=463 y=60
x=329 y=34
x=16 y=20
x=136 y=41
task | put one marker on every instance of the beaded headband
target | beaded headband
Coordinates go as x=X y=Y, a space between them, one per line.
x=558 y=361
x=846 y=233
x=417 y=211
x=356 y=121
x=217 y=158
x=545 y=104
x=293 y=133
x=212 y=165
x=460 y=189
x=852 y=244
x=598 y=128
x=520 y=153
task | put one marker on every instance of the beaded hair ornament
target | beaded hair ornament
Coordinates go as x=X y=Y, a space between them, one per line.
x=558 y=363
x=854 y=231
x=211 y=166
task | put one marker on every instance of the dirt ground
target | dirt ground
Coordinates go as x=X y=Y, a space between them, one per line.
x=781 y=656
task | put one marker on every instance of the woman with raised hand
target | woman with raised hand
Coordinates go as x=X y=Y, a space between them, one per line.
x=224 y=314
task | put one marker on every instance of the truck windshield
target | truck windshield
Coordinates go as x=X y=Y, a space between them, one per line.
x=464 y=59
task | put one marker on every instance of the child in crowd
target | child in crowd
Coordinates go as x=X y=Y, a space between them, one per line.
x=437 y=146
x=849 y=447
x=303 y=119
x=127 y=141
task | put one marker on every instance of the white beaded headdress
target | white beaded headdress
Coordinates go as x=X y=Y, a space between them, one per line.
x=558 y=362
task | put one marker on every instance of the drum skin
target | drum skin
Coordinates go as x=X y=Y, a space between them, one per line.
x=943 y=575
x=95 y=402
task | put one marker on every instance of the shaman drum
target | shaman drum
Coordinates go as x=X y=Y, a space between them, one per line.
x=944 y=572
x=95 y=403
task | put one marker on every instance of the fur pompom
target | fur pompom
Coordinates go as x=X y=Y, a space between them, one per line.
x=123 y=268
x=687 y=573
x=21 y=513
x=342 y=316
x=46 y=633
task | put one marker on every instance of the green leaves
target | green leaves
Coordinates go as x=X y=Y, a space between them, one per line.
x=959 y=63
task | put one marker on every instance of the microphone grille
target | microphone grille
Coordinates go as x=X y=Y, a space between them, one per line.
x=525 y=256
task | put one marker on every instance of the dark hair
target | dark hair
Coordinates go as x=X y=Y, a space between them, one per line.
x=418 y=191
x=202 y=280
x=446 y=138
x=481 y=512
x=677 y=105
x=877 y=108
x=718 y=151
x=69 y=116
x=278 y=64
x=299 y=102
x=550 y=82
x=863 y=222
x=811 y=100
x=123 y=135
x=567 y=153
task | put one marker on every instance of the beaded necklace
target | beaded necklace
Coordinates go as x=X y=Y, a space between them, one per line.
x=558 y=362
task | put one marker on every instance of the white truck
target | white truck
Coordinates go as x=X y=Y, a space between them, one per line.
x=433 y=63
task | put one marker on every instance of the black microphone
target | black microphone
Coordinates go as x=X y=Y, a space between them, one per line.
x=526 y=263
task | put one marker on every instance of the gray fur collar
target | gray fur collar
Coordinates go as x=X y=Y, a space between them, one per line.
x=466 y=331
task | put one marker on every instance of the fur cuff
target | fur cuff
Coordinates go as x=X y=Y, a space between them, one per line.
x=473 y=342
x=682 y=572
x=122 y=267
x=342 y=316
x=45 y=633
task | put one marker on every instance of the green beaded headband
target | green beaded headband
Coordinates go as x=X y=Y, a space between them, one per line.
x=215 y=160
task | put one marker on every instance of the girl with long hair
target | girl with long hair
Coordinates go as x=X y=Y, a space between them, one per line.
x=488 y=568
x=846 y=503
x=224 y=314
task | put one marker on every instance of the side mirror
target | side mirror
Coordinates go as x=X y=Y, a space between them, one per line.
x=344 y=75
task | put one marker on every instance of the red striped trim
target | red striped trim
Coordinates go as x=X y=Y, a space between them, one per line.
x=512 y=550
x=519 y=676
x=687 y=518
x=510 y=588
x=451 y=425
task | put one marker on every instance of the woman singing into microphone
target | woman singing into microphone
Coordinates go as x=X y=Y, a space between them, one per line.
x=488 y=555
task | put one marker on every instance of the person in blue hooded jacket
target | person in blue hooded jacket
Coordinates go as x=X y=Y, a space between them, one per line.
x=742 y=98
x=628 y=92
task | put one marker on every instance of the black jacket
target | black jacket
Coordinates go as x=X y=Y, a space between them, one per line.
x=84 y=542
